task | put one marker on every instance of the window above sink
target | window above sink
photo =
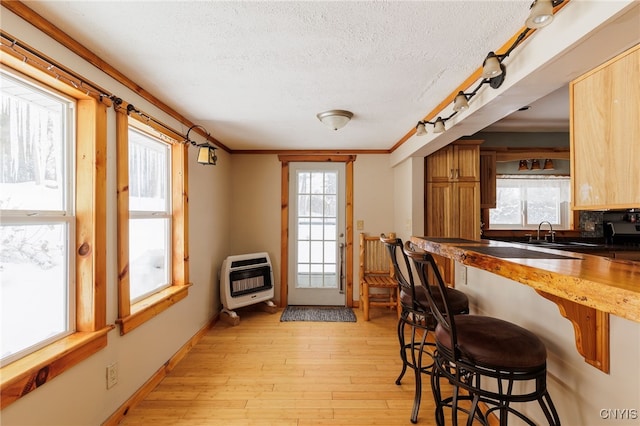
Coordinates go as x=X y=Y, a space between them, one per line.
x=525 y=202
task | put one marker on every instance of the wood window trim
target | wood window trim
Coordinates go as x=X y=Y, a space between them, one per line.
x=32 y=371
x=132 y=315
x=284 y=219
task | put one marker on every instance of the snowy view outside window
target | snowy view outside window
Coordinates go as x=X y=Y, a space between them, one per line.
x=524 y=202
x=37 y=275
x=149 y=215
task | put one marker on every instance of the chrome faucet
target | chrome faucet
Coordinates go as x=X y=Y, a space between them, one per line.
x=550 y=230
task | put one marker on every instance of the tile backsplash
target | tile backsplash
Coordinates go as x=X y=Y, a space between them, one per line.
x=591 y=224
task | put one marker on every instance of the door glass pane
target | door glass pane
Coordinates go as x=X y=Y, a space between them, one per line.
x=317 y=230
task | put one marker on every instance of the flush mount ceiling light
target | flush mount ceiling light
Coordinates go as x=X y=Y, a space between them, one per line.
x=541 y=14
x=335 y=118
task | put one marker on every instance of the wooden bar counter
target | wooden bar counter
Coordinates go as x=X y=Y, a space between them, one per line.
x=586 y=288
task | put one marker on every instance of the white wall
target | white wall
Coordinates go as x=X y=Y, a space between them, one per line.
x=255 y=199
x=79 y=395
x=578 y=390
x=408 y=178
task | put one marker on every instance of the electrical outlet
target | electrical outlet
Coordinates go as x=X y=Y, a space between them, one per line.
x=462 y=275
x=589 y=226
x=112 y=375
x=360 y=225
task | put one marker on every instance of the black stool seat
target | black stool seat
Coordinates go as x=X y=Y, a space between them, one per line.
x=459 y=301
x=491 y=342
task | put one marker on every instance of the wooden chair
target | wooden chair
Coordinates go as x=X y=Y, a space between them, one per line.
x=376 y=272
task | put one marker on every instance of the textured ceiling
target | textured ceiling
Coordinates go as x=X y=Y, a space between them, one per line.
x=255 y=74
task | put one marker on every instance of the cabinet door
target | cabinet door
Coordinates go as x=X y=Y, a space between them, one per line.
x=466 y=163
x=438 y=208
x=488 y=179
x=605 y=135
x=466 y=210
x=440 y=165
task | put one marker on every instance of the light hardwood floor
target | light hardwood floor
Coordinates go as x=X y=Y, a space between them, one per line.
x=267 y=372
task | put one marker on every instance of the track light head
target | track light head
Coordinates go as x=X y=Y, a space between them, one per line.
x=420 y=129
x=541 y=14
x=491 y=66
x=460 y=103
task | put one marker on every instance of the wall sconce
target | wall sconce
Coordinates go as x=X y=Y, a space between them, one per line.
x=206 y=152
x=493 y=70
x=335 y=118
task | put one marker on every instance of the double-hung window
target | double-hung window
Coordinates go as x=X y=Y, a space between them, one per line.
x=52 y=226
x=149 y=215
x=524 y=202
x=37 y=268
x=152 y=225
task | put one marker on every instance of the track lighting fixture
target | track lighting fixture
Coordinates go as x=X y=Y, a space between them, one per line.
x=460 y=103
x=493 y=70
x=438 y=127
x=541 y=14
x=206 y=152
x=535 y=165
x=420 y=129
x=491 y=66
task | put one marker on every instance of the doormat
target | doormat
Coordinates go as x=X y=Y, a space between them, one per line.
x=318 y=314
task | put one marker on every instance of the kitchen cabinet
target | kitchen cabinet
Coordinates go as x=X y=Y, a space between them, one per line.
x=452 y=196
x=487 y=179
x=458 y=162
x=605 y=135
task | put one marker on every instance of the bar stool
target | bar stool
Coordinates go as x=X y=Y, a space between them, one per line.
x=491 y=359
x=417 y=315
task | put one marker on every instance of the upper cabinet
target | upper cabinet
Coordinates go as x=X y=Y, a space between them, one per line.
x=458 y=162
x=605 y=135
x=452 y=203
x=488 y=179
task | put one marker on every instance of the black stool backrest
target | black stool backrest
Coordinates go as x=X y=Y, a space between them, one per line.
x=441 y=309
x=394 y=246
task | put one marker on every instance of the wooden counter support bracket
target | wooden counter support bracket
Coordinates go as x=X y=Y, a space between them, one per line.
x=591 y=328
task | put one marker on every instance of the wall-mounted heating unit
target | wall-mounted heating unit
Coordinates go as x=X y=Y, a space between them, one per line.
x=246 y=279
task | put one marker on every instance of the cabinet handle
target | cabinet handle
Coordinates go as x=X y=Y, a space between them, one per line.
x=451 y=174
x=457 y=173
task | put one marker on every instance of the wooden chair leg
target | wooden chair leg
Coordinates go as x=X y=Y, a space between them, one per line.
x=365 y=301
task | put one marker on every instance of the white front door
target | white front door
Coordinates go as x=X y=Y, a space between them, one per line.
x=316 y=237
